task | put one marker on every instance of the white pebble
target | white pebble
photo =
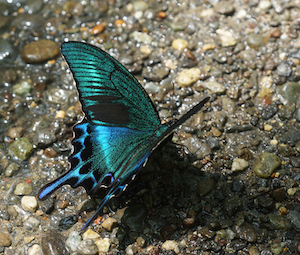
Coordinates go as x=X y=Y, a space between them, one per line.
x=103 y=244
x=170 y=245
x=226 y=37
x=215 y=87
x=90 y=234
x=29 y=203
x=180 y=44
x=188 y=76
x=34 y=250
x=239 y=164
x=73 y=240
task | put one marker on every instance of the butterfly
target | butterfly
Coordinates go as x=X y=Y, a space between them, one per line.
x=120 y=129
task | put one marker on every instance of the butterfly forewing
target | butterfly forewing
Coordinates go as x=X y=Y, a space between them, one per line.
x=109 y=94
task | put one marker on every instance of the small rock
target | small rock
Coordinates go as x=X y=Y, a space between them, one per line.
x=22 y=89
x=267 y=163
x=228 y=105
x=255 y=40
x=140 y=5
x=215 y=87
x=21 y=148
x=279 y=222
x=34 y=250
x=11 y=169
x=205 y=186
x=188 y=76
x=226 y=37
x=4 y=240
x=180 y=44
x=291 y=91
x=142 y=37
x=170 y=245
x=29 y=203
x=225 y=7
x=52 y=243
x=40 y=51
x=15 y=132
x=245 y=232
x=131 y=249
x=90 y=234
x=103 y=244
x=284 y=69
x=73 y=240
x=31 y=223
x=109 y=223
x=23 y=188
x=87 y=247
x=239 y=164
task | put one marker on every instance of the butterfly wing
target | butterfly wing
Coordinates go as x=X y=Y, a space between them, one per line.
x=109 y=94
x=102 y=156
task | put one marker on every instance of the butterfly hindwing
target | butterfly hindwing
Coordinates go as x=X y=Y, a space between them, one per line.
x=109 y=94
x=102 y=155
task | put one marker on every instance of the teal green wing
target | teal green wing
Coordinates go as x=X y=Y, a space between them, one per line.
x=109 y=94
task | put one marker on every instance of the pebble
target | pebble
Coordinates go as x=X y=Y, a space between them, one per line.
x=266 y=164
x=268 y=127
x=197 y=147
x=130 y=250
x=140 y=5
x=73 y=240
x=40 y=51
x=228 y=105
x=215 y=87
x=8 y=53
x=134 y=216
x=23 y=188
x=225 y=7
x=142 y=37
x=205 y=187
x=52 y=243
x=239 y=164
x=188 y=76
x=109 y=223
x=44 y=137
x=11 y=169
x=29 y=203
x=57 y=96
x=103 y=244
x=4 y=240
x=245 y=232
x=171 y=245
x=16 y=132
x=31 y=223
x=255 y=40
x=87 y=247
x=22 y=89
x=291 y=91
x=264 y=5
x=279 y=222
x=34 y=250
x=226 y=37
x=284 y=69
x=269 y=111
x=90 y=234
x=180 y=44
x=21 y=148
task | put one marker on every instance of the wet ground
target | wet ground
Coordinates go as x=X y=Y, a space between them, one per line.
x=229 y=181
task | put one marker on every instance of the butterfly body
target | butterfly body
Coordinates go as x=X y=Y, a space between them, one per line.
x=120 y=129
